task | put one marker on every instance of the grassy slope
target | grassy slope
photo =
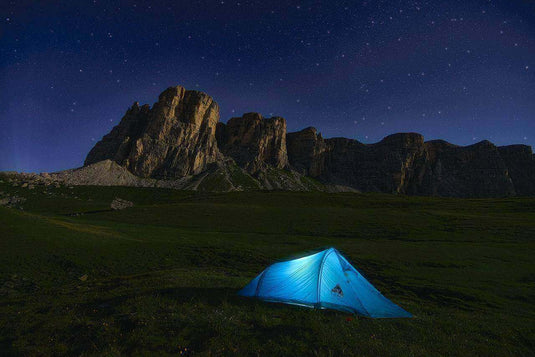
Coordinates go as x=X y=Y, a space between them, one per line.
x=162 y=276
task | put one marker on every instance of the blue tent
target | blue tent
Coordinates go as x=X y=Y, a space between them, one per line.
x=324 y=280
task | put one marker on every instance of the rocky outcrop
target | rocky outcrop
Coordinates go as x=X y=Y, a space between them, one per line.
x=117 y=145
x=254 y=142
x=520 y=163
x=404 y=163
x=306 y=150
x=173 y=139
x=10 y=201
x=471 y=171
x=180 y=143
x=119 y=204
x=387 y=166
x=179 y=138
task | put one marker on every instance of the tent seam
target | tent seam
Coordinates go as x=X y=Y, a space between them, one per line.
x=318 y=290
x=356 y=292
x=260 y=281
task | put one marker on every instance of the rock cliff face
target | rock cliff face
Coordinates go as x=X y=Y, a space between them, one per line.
x=387 y=166
x=254 y=142
x=175 y=138
x=306 y=150
x=180 y=143
x=117 y=144
x=520 y=162
x=472 y=171
x=404 y=163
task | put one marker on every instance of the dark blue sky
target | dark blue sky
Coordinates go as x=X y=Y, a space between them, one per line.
x=462 y=71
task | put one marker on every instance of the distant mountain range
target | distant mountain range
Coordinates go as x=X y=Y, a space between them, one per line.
x=180 y=143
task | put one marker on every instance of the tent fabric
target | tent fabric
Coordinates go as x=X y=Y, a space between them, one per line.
x=323 y=280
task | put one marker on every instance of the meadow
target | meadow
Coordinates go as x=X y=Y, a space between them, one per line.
x=77 y=278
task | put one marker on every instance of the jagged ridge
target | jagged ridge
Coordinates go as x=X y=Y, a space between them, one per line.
x=181 y=138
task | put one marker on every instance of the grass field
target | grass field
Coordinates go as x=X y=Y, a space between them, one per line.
x=161 y=277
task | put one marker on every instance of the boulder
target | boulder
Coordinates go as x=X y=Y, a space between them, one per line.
x=119 y=204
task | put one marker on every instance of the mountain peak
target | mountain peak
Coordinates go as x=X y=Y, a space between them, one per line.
x=181 y=137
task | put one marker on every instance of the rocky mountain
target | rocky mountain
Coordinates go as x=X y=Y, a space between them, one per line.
x=254 y=142
x=520 y=162
x=405 y=163
x=174 y=138
x=179 y=142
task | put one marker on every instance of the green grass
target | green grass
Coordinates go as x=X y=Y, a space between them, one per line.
x=242 y=179
x=162 y=276
x=214 y=181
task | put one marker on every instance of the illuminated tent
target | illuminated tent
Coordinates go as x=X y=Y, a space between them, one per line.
x=324 y=280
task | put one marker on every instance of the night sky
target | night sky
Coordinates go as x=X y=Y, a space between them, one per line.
x=463 y=71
